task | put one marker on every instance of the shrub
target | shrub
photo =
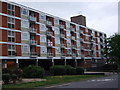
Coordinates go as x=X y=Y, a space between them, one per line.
x=5 y=70
x=14 y=78
x=70 y=70
x=79 y=71
x=58 y=70
x=33 y=72
x=6 y=78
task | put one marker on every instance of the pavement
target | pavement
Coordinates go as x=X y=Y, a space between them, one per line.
x=104 y=82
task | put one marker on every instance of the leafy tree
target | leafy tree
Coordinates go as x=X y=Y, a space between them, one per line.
x=112 y=49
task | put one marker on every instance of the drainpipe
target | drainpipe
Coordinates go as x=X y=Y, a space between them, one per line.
x=36 y=62
x=17 y=63
x=53 y=62
x=65 y=61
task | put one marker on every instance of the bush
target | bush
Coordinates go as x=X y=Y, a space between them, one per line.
x=79 y=71
x=5 y=70
x=58 y=70
x=6 y=78
x=14 y=78
x=33 y=72
x=70 y=70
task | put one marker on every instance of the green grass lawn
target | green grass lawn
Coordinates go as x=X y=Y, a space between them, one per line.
x=52 y=80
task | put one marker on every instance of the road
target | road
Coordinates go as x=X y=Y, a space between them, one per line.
x=104 y=82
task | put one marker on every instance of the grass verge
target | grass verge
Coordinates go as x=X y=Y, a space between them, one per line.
x=52 y=80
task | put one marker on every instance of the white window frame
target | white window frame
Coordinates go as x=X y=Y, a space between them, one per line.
x=26 y=10
x=77 y=28
x=41 y=38
x=25 y=49
x=68 y=42
x=67 y=25
x=43 y=50
x=56 y=21
x=25 y=24
x=68 y=33
x=25 y=36
x=57 y=40
x=78 y=43
x=57 y=31
x=42 y=27
x=58 y=50
x=42 y=15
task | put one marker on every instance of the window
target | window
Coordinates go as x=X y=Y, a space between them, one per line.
x=42 y=38
x=24 y=11
x=42 y=27
x=67 y=25
x=77 y=28
x=78 y=35
x=11 y=50
x=57 y=50
x=57 y=31
x=25 y=36
x=79 y=52
x=11 y=9
x=56 y=21
x=69 y=51
x=43 y=50
x=78 y=43
x=87 y=38
x=11 y=22
x=57 y=40
x=68 y=42
x=86 y=30
x=25 y=49
x=24 y=24
x=11 y=33
x=88 y=53
x=68 y=33
x=43 y=17
x=11 y=39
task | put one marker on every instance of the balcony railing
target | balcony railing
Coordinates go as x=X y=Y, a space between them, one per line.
x=49 y=33
x=73 y=38
x=50 y=54
x=74 y=55
x=50 y=44
x=32 y=18
x=81 y=32
x=73 y=46
x=62 y=27
x=32 y=30
x=72 y=29
x=49 y=23
x=33 y=42
x=33 y=54
x=63 y=54
x=63 y=45
x=62 y=35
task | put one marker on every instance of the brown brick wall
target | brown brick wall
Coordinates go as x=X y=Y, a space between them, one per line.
x=17 y=11
x=38 y=51
x=3 y=36
x=3 y=50
x=17 y=24
x=4 y=7
x=18 y=50
x=38 y=39
x=4 y=21
x=18 y=37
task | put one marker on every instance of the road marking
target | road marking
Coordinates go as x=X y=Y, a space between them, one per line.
x=58 y=85
x=100 y=80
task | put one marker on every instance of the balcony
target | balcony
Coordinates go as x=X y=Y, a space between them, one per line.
x=33 y=54
x=82 y=48
x=32 y=30
x=63 y=45
x=49 y=33
x=72 y=29
x=81 y=32
x=73 y=47
x=73 y=55
x=73 y=38
x=62 y=35
x=32 y=18
x=62 y=26
x=50 y=44
x=82 y=55
x=63 y=54
x=49 y=23
x=81 y=39
x=50 y=54
x=33 y=42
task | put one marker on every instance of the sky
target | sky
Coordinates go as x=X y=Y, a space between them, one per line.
x=101 y=16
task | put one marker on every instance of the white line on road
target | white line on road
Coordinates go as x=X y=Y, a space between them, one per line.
x=58 y=85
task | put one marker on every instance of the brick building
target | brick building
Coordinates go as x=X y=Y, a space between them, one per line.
x=29 y=36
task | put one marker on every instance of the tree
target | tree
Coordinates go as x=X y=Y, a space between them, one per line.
x=112 y=49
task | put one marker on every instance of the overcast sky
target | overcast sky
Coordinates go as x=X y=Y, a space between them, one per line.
x=102 y=16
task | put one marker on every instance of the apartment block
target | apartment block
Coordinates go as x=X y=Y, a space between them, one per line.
x=29 y=36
